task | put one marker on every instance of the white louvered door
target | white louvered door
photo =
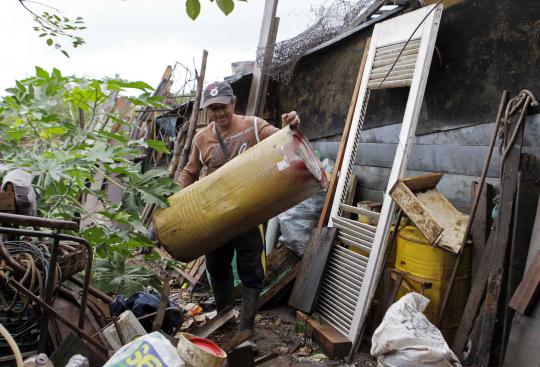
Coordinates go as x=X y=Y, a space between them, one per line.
x=348 y=282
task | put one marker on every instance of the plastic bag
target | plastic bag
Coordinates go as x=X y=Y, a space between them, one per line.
x=149 y=350
x=405 y=337
x=297 y=222
x=144 y=303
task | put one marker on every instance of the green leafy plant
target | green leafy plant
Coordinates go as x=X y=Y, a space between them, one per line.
x=117 y=276
x=193 y=7
x=65 y=131
x=56 y=29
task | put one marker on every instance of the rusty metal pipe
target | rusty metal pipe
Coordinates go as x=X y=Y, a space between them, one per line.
x=27 y=220
x=93 y=291
x=49 y=309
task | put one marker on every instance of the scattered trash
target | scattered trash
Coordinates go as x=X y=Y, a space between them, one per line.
x=78 y=361
x=125 y=329
x=200 y=352
x=319 y=357
x=405 y=337
x=144 y=303
x=152 y=350
x=40 y=360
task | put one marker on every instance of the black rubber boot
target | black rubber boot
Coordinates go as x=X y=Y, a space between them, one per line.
x=223 y=293
x=250 y=298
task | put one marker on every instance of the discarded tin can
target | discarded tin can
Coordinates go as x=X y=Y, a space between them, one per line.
x=200 y=352
x=267 y=179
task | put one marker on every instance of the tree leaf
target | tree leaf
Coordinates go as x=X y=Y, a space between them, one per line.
x=193 y=8
x=158 y=145
x=49 y=41
x=226 y=6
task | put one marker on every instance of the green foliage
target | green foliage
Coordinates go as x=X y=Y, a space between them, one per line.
x=42 y=133
x=57 y=29
x=117 y=276
x=193 y=7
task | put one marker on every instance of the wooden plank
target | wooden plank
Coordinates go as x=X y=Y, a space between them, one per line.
x=306 y=286
x=487 y=343
x=481 y=224
x=279 y=285
x=416 y=211
x=211 y=326
x=325 y=212
x=527 y=292
x=265 y=39
x=332 y=342
x=422 y=182
x=200 y=273
x=523 y=347
x=7 y=201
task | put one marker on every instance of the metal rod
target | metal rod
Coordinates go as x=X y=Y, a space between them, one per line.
x=474 y=207
x=27 y=220
x=65 y=321
x=57 y=237
x=51 y=278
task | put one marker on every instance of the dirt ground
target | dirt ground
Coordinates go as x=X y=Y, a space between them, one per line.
x=278 y=331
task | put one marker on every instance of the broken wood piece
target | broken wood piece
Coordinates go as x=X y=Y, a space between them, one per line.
x=236 y=340
x=200 y=273
x=265 y=358
x=306 y=286
x=422 y=182
x=163 y=301
x=241 y=357
x=527 y=292
x=7 y=201
x=280 y=284
x=332 y=342
x=221 y=319
x=441 y=223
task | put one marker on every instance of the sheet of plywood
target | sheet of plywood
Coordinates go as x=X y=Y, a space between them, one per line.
x=306 y=286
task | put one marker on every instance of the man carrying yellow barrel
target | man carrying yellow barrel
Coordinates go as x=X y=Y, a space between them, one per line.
x=227 y=136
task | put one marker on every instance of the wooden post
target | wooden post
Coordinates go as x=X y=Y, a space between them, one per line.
x=194 y=113
x=268 y=24
x=259 y=110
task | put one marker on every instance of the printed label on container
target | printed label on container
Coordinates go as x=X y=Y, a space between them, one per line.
x=282 y=165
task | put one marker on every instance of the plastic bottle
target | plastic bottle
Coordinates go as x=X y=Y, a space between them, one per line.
x=78 y=361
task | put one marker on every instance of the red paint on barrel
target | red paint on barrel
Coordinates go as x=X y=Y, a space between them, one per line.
x=208 y=346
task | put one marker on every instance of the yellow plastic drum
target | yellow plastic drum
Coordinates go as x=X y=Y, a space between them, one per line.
x=265 y=180
x=430 y=269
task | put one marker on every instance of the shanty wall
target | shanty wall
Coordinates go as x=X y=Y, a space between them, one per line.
x=483 y=47
x=459 y=154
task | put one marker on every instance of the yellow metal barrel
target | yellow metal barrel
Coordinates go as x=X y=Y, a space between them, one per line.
x=428 y=270
x=267 y=179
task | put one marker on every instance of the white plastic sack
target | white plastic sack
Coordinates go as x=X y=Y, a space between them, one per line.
x=406 y=338
x=149 y=350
